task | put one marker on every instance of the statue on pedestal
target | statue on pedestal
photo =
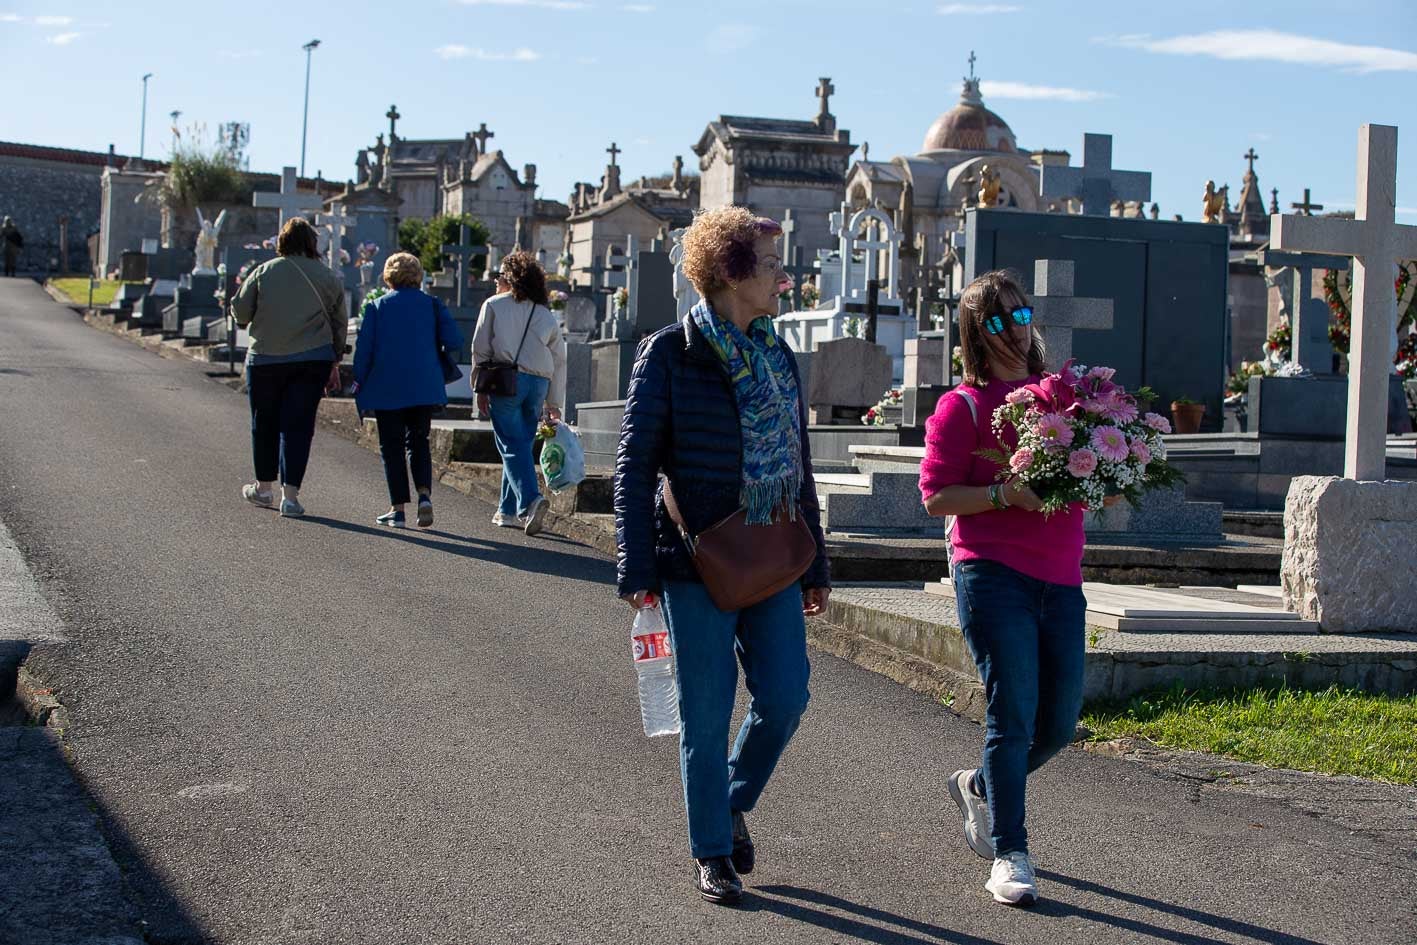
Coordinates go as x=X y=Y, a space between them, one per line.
x=207 y=242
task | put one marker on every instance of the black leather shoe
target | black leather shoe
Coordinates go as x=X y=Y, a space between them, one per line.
x=716 y=880
x=743 y=853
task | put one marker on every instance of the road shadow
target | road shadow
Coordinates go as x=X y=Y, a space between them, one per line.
x=536 y=560
x=792 y=902
x=1259 y=933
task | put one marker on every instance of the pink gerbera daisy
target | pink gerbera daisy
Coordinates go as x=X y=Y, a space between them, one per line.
x=1054 y=430
x=1110 y=443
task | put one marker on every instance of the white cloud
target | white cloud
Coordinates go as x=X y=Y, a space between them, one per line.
x=62 y=39
x=968 y=9
x=545 y=4
x=457 y=51
x=1273 y=46
x=638 y=7
x=991 y=88
x=53 y=20
x=731 y=37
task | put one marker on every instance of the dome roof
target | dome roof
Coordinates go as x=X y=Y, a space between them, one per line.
x=969 y=126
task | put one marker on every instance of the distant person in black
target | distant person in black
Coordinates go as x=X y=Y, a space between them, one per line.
x=12 y=240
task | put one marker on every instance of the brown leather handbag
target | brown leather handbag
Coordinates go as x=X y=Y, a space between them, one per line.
x=741 y=564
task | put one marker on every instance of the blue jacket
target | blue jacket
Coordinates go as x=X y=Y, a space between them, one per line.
x=396 y=356
x=681 y=419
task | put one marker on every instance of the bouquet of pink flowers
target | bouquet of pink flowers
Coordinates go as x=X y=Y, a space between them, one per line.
x=1081 y=438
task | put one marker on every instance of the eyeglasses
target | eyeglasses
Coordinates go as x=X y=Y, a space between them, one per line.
x=770 y=263
x=994 y=324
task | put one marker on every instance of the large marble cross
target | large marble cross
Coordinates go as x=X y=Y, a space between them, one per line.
x=1376 y=242
x=1096 y=184
x=335 y=224
x=463 y=254
x=289 y=201
x=1058 y=313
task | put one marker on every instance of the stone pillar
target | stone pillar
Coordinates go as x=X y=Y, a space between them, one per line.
x=1348 y=554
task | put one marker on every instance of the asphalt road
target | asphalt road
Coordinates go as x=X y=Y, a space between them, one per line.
x=320 y=731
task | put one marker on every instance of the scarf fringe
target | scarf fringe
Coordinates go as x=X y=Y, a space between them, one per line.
x=765 y=496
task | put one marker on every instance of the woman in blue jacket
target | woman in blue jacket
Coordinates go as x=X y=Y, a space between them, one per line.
x=714 y=404
x=399 y=378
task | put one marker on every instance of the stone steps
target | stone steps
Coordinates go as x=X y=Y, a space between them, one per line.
x=919 y=625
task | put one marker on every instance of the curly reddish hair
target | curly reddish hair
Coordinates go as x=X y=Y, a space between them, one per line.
x=718 y=247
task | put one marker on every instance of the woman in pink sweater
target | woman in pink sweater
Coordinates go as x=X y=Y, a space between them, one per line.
x=1017 y=581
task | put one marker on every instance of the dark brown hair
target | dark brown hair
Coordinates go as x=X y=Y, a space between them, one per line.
x=994 y=293
x=526 y=277
x=298 y=238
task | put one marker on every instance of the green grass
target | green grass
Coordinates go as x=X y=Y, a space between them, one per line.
x=1333 y=731
x=77 y=288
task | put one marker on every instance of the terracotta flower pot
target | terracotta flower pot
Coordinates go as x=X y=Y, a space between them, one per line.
x=1187 y=417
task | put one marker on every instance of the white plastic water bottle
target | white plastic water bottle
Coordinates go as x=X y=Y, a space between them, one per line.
x=654 y=665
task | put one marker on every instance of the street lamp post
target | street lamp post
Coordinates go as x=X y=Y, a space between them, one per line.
x=309 y=48
x=175 y=114
x=143 y=128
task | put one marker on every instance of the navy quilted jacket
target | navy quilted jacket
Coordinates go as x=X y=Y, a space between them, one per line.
x=681 y=419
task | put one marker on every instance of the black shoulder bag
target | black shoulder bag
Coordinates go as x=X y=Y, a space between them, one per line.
x=499 y=378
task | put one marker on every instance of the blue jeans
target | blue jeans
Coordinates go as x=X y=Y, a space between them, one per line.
x=770 y=639
x=1026 y=636
x=514 y=421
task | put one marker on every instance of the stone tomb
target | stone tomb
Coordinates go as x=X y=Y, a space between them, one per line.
x=1166 y=280
x=148 y=313
x=194 y=301
x=848 y=375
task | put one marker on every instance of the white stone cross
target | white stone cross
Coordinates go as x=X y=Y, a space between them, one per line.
x=1058 y=313
x=1096 y=184
x=290 y=202
x=335 y=224
x=1376 y=243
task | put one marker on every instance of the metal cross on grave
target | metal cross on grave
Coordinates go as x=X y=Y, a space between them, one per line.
x=463 y=254
x=1307 y=207
x=1058 y=313
x=613 y=151
x=1376 y=242
x=1096 y=184
x=289 y=201
x=393 y=116
x=335 y=224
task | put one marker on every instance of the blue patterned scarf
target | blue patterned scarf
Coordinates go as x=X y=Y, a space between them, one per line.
x=766 y=393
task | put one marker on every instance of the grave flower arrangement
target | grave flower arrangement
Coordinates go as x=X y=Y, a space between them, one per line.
x=622 y=299
x=811 y=295
x=556 y=300
x=1407 y=357
x=1078 y=437
x=876 y=416
x=373 y=295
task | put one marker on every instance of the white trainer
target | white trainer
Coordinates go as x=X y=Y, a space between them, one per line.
x=507 y=521
x=536 y=516
x=1012 y=881
x=975 y=811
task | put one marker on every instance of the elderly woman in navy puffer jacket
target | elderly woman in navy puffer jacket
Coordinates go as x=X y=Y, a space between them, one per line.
x=714 y=403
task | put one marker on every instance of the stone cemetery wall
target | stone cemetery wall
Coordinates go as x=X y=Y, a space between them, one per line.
x=1167 y=280
x=37 y=187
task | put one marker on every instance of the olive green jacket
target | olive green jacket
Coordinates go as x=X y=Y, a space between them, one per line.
x=293 y=304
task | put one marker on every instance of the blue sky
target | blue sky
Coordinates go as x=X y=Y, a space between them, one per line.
x=1184 y=88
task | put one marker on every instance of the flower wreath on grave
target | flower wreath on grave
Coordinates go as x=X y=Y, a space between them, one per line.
x=373 y=295
x=1338 y=293
x=1280 y=343
x=810 y=295
x=876 y=416
x=556 y=300
x=1407 y=357
x=1076 y=437
x=366 y=252
x=1238 y=384
x=622 y=298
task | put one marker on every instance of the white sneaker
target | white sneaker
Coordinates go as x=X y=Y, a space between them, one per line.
x=507 y=521
x=290 y=508
x=1012 y=881
x=536 y=516
x=975 y=810
x=252 y=493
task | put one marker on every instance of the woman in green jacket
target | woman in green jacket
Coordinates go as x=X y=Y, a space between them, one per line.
x=295 y=307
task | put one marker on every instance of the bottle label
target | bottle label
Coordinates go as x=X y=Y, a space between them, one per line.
x=651 y=646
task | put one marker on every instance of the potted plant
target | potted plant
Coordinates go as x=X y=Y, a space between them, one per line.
x=1187 y=414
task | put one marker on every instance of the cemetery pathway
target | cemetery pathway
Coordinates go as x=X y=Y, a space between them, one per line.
x=319 y=731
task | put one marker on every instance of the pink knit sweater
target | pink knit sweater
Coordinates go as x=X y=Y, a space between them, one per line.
x=1048 y=549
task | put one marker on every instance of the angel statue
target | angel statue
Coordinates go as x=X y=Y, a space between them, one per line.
x=206 y=243
x=1212 y=203
x=989 y=186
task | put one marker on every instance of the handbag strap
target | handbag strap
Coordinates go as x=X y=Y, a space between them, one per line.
x=517 y=358
x=318 y=297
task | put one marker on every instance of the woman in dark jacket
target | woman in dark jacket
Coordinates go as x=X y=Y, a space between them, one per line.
x=714 y=404
x=399 y=379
